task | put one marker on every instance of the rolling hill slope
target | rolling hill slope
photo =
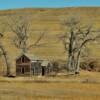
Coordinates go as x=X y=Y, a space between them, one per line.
x=50 y=19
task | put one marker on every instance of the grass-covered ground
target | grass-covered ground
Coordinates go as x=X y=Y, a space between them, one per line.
x=50 y=21
x=83 y=87
x=86 y=86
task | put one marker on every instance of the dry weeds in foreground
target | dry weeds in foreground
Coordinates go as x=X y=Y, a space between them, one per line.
x=65 y=89
x=49 y=91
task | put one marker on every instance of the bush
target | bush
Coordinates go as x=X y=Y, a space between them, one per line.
x=89 y=81
x=55 y=65
x=90 y=65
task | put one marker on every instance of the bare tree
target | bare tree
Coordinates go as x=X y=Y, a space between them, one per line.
x=75 y=40
x=3 y=51
x=21 y=26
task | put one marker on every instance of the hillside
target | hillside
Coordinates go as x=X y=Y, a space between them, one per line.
x=50 y=19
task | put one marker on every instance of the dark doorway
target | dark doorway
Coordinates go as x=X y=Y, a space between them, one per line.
x=23 y=71
x=43 y=71
x=33 y=71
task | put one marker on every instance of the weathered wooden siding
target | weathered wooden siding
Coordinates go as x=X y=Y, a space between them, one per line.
x=23 y=66
x=26 y=66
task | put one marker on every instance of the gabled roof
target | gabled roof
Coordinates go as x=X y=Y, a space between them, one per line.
x=30 y=56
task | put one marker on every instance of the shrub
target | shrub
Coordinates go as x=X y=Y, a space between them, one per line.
x=90 y=65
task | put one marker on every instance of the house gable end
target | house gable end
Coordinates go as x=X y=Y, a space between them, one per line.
x=23 y=59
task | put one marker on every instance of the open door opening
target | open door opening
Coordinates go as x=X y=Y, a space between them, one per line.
x=33 y=71
x=23 y=71
x=43 y=71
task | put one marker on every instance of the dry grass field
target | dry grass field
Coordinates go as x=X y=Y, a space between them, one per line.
x=49 y=20
x=83 y=87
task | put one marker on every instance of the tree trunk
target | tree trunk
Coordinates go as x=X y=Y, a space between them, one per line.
x=69 y=65
x=70 y=62
x=7 y=64
x=77 y=71
x=73 y=63
x=6 y=61
x=24 y=48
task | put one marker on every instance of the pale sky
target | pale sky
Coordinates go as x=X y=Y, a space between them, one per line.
x=12 y=4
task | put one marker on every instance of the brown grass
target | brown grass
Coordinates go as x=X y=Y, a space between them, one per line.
x=48 y=88
x=49 y=19
x=49 y=91
x=83 y=87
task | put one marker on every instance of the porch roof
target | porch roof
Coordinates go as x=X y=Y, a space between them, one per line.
x=45 y=63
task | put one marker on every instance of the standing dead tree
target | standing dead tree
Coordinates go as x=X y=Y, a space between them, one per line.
x=21 y=26
x=4 y=53
x=75 y=39
x=2 y=49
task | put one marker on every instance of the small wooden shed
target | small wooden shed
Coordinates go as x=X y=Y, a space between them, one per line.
x=46 y=67
x=31 y=65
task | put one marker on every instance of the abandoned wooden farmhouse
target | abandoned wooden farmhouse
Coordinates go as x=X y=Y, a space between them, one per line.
x=31 y=65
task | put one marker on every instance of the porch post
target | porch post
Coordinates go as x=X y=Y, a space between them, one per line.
x=30 y=70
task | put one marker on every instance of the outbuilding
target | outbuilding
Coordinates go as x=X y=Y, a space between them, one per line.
x=31 y=65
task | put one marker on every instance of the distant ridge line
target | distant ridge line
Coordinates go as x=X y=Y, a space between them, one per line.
x=10 y=12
